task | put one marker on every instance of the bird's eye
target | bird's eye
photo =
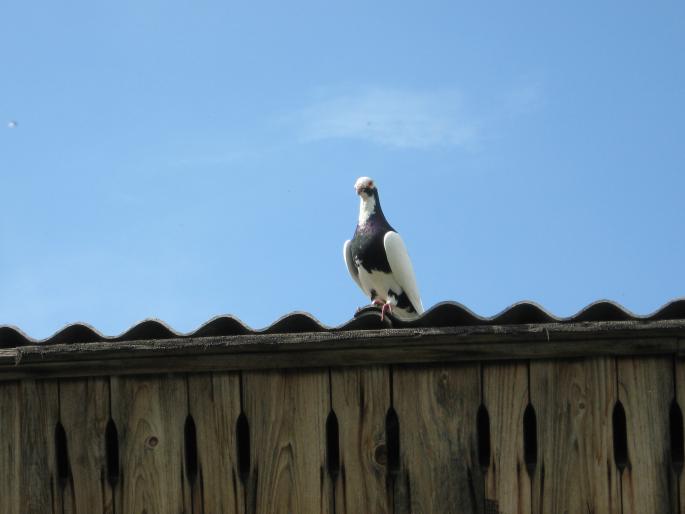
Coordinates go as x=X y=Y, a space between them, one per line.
x=370 y=184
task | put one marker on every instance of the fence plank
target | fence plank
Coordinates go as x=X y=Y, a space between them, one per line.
x=9 y=447
x=361 y=399
x=437 y=408
x=214 y=403
x=287 y=414
x=574 y=402
x=40 y=490
x=646 y=391
x=680 y=397
x=150 y=415
x=84 y=412
x=505 y=395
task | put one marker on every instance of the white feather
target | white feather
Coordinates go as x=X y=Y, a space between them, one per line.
x=351 y=266
x=402 y=269
x=367 y=207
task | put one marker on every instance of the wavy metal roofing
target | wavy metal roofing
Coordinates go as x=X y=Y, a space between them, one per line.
x=445 y=314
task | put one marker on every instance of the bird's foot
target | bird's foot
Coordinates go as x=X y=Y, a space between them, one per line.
x=378 y=303
x=387 y=307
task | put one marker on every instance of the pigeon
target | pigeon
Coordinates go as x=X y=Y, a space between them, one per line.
x=378 y=260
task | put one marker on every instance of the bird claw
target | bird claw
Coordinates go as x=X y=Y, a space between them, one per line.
x=386 y=308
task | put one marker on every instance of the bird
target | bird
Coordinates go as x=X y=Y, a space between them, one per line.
x=377 y=258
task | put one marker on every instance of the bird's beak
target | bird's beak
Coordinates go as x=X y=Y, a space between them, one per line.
x=358 y=189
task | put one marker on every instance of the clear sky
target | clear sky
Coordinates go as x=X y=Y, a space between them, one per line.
x=181 y=160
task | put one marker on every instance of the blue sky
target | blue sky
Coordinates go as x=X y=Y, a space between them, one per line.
x=181 y=160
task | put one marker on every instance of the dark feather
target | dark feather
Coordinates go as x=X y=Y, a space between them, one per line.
x=367 y=244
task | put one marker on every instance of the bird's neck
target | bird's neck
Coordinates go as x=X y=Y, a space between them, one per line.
x=369 y=208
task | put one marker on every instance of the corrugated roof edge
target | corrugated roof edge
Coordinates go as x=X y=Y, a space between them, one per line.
x=443 y=314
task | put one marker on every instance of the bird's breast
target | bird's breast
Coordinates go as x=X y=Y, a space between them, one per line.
x=378 y=284
x=368 y=252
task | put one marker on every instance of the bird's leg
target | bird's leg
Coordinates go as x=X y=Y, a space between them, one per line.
x=387 y=307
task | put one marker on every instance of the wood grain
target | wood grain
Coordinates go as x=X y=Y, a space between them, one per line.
x=505 y=395
x=437 y=409
x=287 y=413
x=214 y=402
x=10 y=447
x=646 y=390
x=150 y=414
x=39 y=487
x=84 y=412
x=361 y=399
x=680 y=397
x=574 y=401
x=344 y=348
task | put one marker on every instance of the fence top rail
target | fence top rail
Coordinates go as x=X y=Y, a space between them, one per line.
x=324 y=348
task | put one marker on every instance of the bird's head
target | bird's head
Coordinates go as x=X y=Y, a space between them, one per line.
x=365 y=187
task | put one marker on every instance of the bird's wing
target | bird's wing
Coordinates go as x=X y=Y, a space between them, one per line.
x=401 y=268
x=351 y=267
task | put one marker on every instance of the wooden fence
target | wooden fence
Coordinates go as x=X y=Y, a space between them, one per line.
x=535 y=419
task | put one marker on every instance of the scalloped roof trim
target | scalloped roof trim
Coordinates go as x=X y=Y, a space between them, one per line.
x=443 y=314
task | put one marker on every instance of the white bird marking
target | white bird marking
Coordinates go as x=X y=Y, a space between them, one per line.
x=366 y=208
x=402 y=269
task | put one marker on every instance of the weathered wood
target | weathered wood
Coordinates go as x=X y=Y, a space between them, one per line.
x=10 y=448
x=40 y=489
x=680 y=398
x=214 y=402
x=318 y=349
x=84 y=412
x=437 y=408
x=439 y=469
x=505 y=396
x=287 y=413
x=574 y=402
x=361 y=399
x=150 y=414
x=645 y=387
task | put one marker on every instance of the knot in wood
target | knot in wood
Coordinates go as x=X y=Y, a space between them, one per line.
x=380 y=455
